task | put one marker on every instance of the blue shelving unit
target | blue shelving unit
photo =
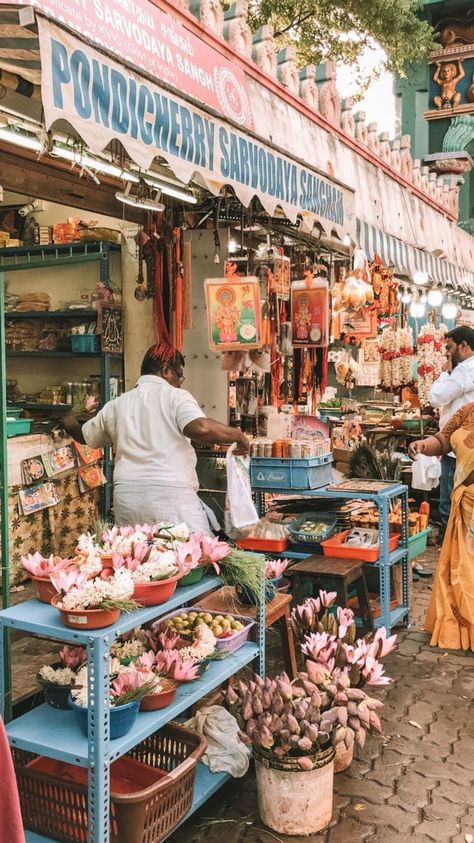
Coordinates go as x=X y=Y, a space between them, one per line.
x=387 y=558
x=55 y=733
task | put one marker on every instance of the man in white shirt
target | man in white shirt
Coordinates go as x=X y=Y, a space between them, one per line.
x=150 y=428
x=453 y=389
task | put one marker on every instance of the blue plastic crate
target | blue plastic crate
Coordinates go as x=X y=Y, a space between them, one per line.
x=85 y=343
x=275 y=473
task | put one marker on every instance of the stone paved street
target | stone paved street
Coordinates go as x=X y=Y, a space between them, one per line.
x=416 y=782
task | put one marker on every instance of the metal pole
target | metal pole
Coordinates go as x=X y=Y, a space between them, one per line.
x=5 y=532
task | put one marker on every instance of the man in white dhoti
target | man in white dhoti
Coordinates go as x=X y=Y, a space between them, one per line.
x=150 y=428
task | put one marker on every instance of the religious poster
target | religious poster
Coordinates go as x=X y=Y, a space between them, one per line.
x=233 y=313
x=110 y=327
x=310 y=314
x=357 y=323
x=281 y=271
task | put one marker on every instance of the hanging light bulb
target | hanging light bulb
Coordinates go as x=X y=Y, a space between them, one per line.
x=423 y=298
x=347 y=240
x=449 y=309
x=435 y=297
x=420 y=277
x=417 y=308
x=232 y=246
x=406 y=296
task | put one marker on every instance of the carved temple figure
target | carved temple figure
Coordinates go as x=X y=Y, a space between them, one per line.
x=417 y=172
x=308 y=88
x=287 y=70
x=456 y=31
x=236 y=29
x=263 y=50
x=447 y=77
x=347 y=117
x=360 y=127
x=406 y=161
x=425 y=179
x=385 y=151
x=373 y=141
x=210 y=13
x=329 y=99
x=395 y=154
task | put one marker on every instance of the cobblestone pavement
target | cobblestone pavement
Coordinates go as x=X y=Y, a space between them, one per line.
x=416 y=782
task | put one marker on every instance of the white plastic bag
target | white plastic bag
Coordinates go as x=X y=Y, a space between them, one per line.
x=426 y=473
x=240 y=508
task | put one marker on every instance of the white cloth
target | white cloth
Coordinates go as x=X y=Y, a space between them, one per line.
x=152 y=503
x=426 y=472
x=451 y=391
x=225 y=751
x=145 y=427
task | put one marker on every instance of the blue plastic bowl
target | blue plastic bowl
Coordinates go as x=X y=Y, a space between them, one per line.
x=122 y=717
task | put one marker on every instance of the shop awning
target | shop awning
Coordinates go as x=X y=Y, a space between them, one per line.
x=408 y=259
x=19 y=48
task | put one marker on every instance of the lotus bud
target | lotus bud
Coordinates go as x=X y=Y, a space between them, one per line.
x=316 y=699
x=284 y=735
x=315 y=672
x=252 y=687
x=276 y=724
x=372 y=703
x=354 y=723
x=247 y=710
x=323 y=738
x=251 y=726
x=360 y=737
x=257 y=705
x=231 y=696
x=293 y=724
x=305 y=763
x=339 y=734
x=315 y=716
x=364 y=714
x=294 y=740
x=342 y=715
x=285 y=689
x=349 y=738
x=309 y=687
x=279 y=752
x=312 y=733
x=340 y=698
x=265 y=719
x=266 y=699
x=324 y=700
x=325 y=726
x=344 y=681
x=375 y=722
x=332 y=690
x=352 y=709
x=331 y=715
x=258 y=680
x=266 y=738
x=245 y=739
x=242 y=688
x=355 y=694
x=305 y=744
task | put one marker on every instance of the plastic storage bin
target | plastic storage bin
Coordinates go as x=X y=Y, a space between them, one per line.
x=275 y=473
x=85 y=343
x=263 y=545
x=18 y=427
x=417 y=543
x=335 y=547
x=53 y=795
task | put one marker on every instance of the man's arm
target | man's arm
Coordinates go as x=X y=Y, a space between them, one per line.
x=73 y=427
x=210 y=432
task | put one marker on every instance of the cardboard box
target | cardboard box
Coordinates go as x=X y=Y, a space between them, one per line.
x=341 y=454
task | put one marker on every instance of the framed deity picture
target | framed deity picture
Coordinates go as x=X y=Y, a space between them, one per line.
x=309 y=315
x=110 y=327
x=358 y=323
x=233 y=313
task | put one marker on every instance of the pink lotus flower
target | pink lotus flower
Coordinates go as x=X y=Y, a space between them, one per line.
x=345 y=619
x=64 y=581
x=38 y=566
x=164 y=661
x=321 y=648
x=128 y=562
x=213 y=550
x=328 y=598
x=146 y=661
x=185 y=671
x=109 y=536
x=140 y=552
x=374 y=671
x=125 y=532
x=72 y=657
x=188 y=554
x=148 y=530
x=276 y=568
x=168 y=640
x=384 y=645
x=125 y=682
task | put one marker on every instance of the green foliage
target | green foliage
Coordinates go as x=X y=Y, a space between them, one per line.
x=342 y=29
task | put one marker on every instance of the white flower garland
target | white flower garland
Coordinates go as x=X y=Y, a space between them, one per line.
x=396 y=357
x=431 y=346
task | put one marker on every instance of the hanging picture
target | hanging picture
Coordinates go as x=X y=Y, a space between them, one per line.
x=357 y=323
x=281 y=271
x=310 y=313
x=110 y=327
x=233 y=313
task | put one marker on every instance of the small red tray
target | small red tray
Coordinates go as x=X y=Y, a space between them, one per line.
x=335 y=547
x=374 y=604
x=267 y=545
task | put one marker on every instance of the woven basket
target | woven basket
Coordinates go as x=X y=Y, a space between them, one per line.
x=57 y=806
x=110 y=235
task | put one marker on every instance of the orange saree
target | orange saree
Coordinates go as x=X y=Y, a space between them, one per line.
x=450 y=617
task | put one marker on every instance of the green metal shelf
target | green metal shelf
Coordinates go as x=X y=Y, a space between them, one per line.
x=77 y=355
x=39 y=257
x=79 y=313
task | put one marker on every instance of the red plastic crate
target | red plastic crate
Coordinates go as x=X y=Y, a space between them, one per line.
x=265 y=545
x=335 y=547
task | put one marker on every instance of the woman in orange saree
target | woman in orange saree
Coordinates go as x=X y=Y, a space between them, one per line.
x=450 y=616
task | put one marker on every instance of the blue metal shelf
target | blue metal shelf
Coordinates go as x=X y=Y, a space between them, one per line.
x=41 y=619
x=323 y=492
x=39 y=257
x=396 y=615
x=60 y=737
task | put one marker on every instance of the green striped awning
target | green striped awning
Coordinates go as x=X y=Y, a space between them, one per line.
x=19 y=48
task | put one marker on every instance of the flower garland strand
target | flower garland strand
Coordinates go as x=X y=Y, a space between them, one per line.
x=396 y=357
x=431 y=345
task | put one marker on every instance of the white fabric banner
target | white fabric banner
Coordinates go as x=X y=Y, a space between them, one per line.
x=103 y=100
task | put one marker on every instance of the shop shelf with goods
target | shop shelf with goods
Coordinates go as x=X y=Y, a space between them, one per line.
x=61 y=255
x=58 y=737
x=389 y=617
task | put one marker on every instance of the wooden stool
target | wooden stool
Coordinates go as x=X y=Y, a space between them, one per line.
x=337 y=575
x=277 y=612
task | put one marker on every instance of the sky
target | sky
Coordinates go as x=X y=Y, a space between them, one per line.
x=379 y=101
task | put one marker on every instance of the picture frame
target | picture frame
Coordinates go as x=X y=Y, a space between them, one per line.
x=233 y=313
x=110 y=327
x=359 y=324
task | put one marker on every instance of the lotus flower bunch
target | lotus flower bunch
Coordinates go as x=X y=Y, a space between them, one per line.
x=72 y=657
x=77 y=592
x=283 y=717
x=275 y=568
x=188 y=554
x=132 y=685
x=39 y=566
x=314 y=616
x=351 y=710
x=361 y=661
x=213 y=550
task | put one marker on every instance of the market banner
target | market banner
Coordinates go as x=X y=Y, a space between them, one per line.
x=103 y=100
x=141 y=34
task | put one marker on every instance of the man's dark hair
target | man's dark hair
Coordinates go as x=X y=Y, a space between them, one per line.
x=160 y=355
x=462 y=334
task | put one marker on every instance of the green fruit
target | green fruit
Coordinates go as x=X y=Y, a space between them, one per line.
x=218 y=618
x=218 y=630
x=207 y=618
x=226 y=625
x=237 y=625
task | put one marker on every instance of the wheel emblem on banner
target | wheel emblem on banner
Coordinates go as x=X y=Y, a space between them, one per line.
x=232 y=96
